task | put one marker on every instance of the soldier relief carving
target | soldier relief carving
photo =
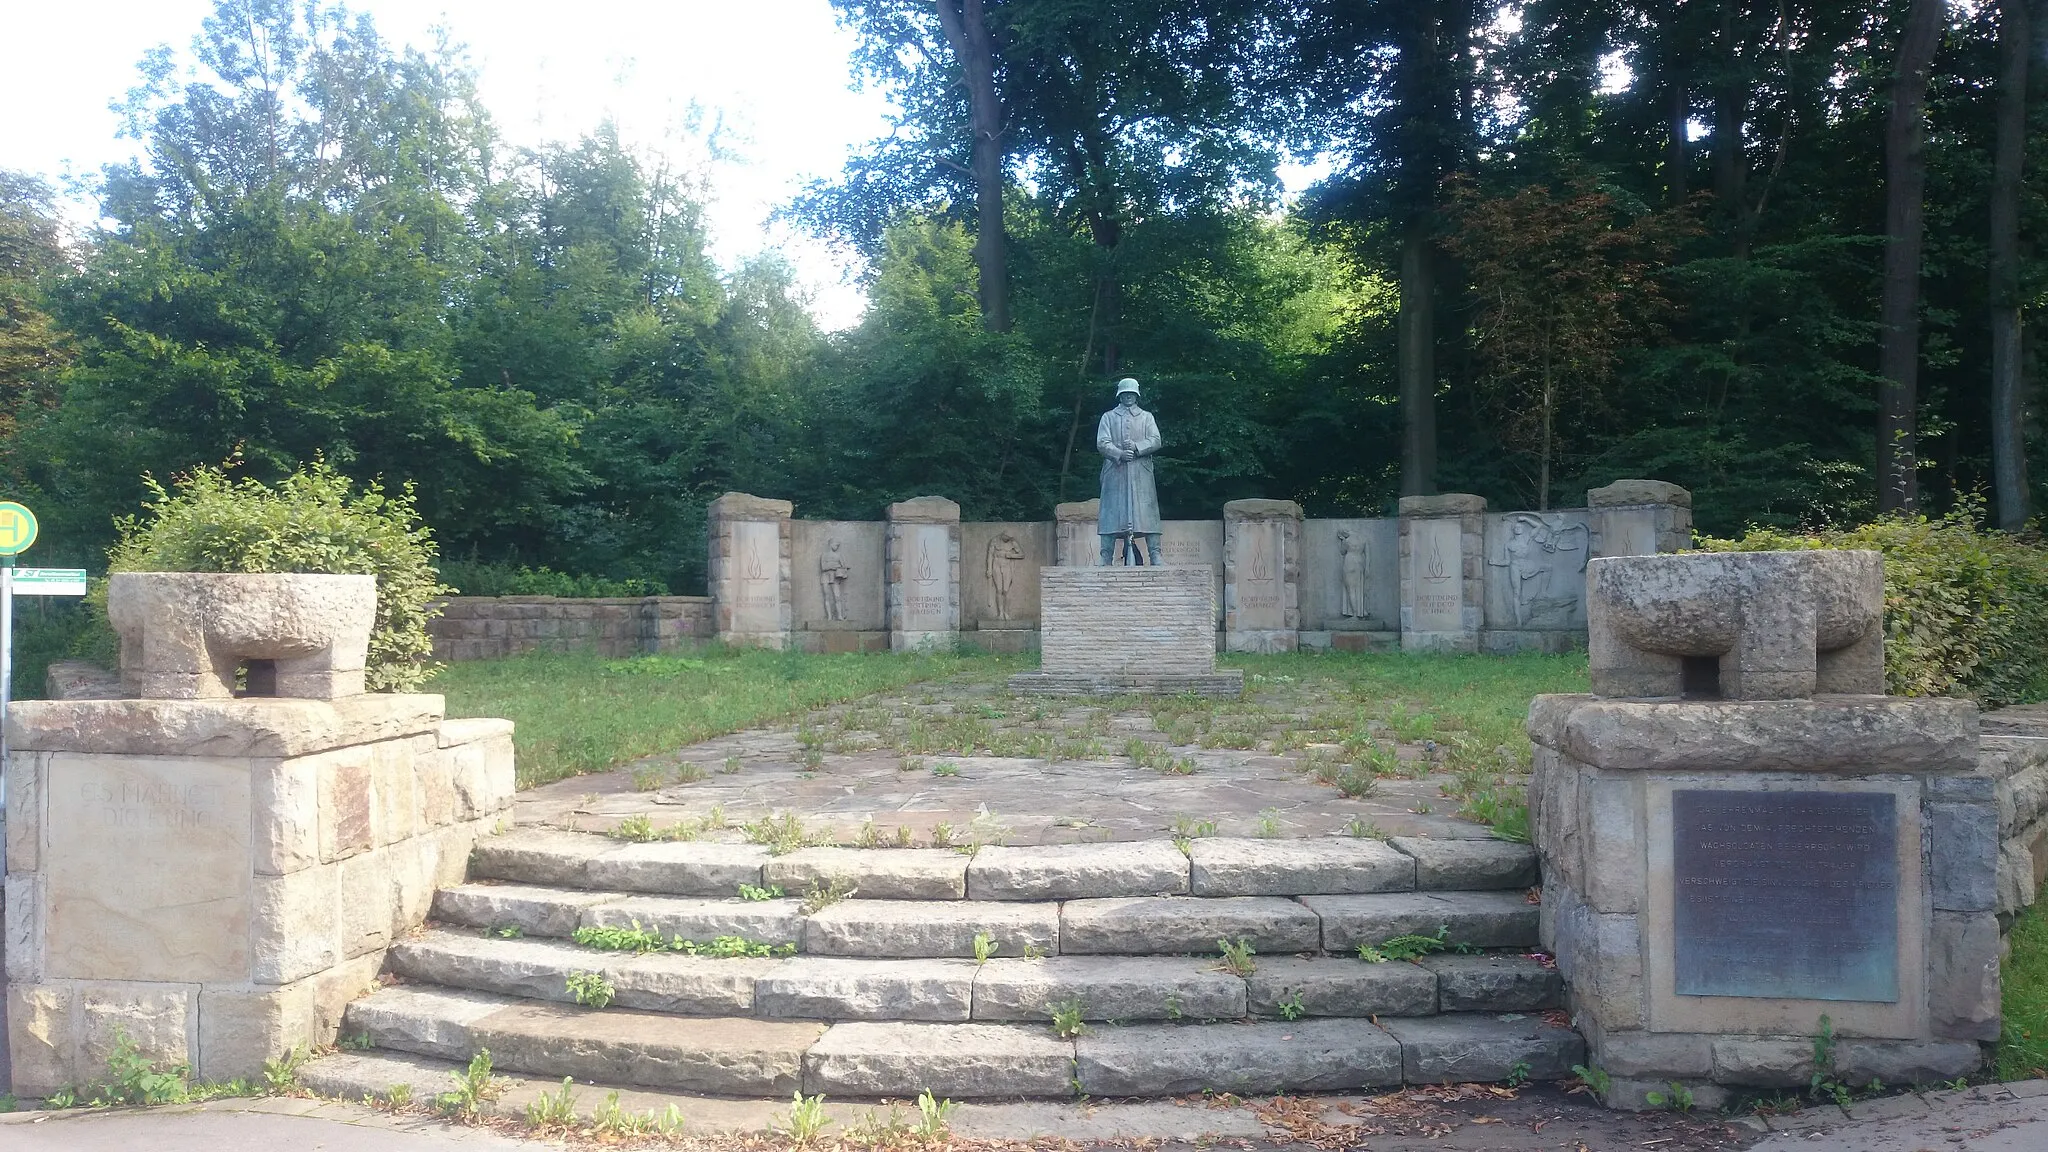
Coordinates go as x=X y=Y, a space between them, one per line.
x=1545 y=562
x=833 y=573
x=1005 y=555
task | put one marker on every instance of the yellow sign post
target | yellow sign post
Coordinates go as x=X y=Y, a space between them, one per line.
x=17 y=528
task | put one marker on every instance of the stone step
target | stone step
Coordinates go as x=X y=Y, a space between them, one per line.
x=906 y=929
x=1476 y=919
x=1216 y=866
x=1148 y=925
x=1164 y=988
x=744 y=1057
x=733 y=1056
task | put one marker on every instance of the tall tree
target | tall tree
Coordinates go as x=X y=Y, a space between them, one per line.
x=966 y=26
x=2016 y=19
x=1905 y=213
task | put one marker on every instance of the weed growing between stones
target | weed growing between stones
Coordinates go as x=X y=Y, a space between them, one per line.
x=1413 y=946
x=934 y=1118
x=1269 y=826
x=553 y=1110
x=757 y=892
x=780 y=834
x=1291 y=1008
x=1593 y=1079
x=806 y=1119
x=985 y=946
x=1066 y=1019
x=1360 y=828
x=474 y=1088
x=639 y=940
x=1678 y=1099
x=637 y=828
x=1237 y=956
x=823 y=896
x=591 y=989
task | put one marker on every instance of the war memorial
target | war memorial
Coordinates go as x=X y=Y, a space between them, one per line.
x=1740 y=843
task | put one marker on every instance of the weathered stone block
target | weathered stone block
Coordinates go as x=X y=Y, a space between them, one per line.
x=1493 y=983
x=820 y=988
x=777 y=922
x=24 y=940
x=1615 y=847
x=1463 y=865
x=921 y=928
x=1962 y=976
x=1077 y=871
x=296 y=924
x=1107 y=988
x=42 y=1040
x=1465 y=1049
x=540 y=856
x=24 y=820
x=1899 y=1063
x=1298 y=1056
x=1483 y=919
x=396 y=788
x=336 y=988
x=1834 y=734
x=688 y=868
x=1654 y=1055
x=1167 y=925
x=183 y=634
x=366 y=891
x=286 y=795
x=347 y=800
x=876 y=873
x=687 y=985
x=1233 y=867
x=962 y=1061
x=241 y=1029
x=154 y=1017
x=1963 y=843
x=423 y=1020
x=1341 y=987
x=1763 y=1063
x=535 y=911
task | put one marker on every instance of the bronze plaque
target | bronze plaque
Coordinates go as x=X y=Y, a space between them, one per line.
x=1787 y=894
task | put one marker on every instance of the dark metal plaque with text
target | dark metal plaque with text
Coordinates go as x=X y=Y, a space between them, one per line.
x=1791 y=894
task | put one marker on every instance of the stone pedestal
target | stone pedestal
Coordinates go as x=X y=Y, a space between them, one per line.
x=1261 y=575
x=1112 y=630
x=921 y=555
x=1722 y=874
x=749 y=570
x=1443 y=572
x=1640 y=518
x=218 y=878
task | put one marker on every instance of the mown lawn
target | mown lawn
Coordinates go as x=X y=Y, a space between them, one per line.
x=2023 y=1050
x=1485 y=698
x=579 y=712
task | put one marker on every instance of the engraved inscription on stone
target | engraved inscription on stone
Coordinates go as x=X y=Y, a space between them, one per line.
x=1260 y=564
x=757 y=577
x=151 y=874
x=1785 y=894
x=927 y=578
x=1436 y=575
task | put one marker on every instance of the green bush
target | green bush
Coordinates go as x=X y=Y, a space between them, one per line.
x=1965 y=609
x=311 y=521
x=48 y=629
x=476 y=578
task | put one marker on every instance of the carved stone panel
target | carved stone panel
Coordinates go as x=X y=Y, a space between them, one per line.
x=1351 y=575
x=756 y=577
x=855 y=566
x=1438 y=575
x=1536 y=570
x=1261 y=564
x=150 y=874
x=926 y=578
x=999 y=565
x=1196 y=542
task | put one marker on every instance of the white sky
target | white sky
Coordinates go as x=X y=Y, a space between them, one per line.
x=776 y=69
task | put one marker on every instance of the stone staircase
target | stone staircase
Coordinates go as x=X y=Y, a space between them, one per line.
x=880 y=994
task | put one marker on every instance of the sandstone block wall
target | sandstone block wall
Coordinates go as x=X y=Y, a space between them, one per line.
x=217 y=879
x=2017 y=765
x=1128 y=621
x=488 y=627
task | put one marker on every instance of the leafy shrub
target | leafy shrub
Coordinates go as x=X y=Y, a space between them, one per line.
x=50 y=628
x=1965 y=609
x=476 y=578
x=311 y=521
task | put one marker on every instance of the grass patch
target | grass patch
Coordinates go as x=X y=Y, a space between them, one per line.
x=2023 y=1048
x=1482 y=700
x=579 y=712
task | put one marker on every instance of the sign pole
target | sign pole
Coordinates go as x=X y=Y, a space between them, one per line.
x=6 y=664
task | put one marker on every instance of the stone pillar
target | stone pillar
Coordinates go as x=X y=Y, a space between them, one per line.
x=1640 y=518
x=1728 y=864
x=749 y=571
x=922 y=557
x=1443 y=572
x=1261 y=575
x=217 y=878
x=1075 y=544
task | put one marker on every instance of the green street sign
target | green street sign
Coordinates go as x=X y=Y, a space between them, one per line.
x=17 y=528
x=49 y=581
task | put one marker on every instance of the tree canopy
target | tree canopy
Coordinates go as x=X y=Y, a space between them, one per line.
x=1557 y=244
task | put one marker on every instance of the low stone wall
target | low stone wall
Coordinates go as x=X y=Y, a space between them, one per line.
x=2014 y=752
x=218 y=879
x=487 y=627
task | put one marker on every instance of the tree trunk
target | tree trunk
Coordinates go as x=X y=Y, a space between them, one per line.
x=1905 y=165
x=1678 y=113
x=966 y=26
x=2008 y=407
x=1417 y=333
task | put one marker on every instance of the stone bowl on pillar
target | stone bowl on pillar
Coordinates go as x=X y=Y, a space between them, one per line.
x=185 y=635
